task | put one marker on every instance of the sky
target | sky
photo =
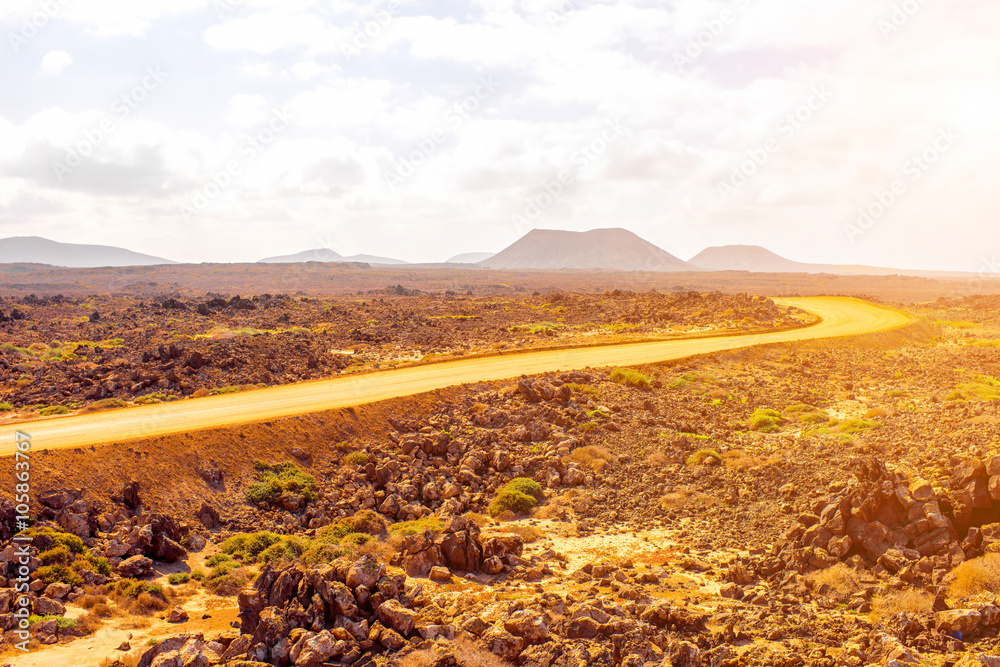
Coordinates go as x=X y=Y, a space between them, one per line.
x=854 y=132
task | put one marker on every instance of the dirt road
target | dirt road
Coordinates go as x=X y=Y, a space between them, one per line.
x=839 y=317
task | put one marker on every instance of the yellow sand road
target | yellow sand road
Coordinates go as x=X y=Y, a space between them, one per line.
x=838 y=317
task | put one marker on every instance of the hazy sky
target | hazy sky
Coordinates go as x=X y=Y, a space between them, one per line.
x=232 y=130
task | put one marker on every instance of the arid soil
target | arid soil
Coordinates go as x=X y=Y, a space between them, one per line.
x=826 y=503
x=321 y=279
x=61 y=353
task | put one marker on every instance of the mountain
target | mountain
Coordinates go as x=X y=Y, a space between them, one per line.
x=614 y=249
x=761 y=260
x=470 y=258
x=749 y=258
x=74 y=255
x=327 y=255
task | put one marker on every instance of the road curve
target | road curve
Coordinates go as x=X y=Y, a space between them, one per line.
x=838 y=317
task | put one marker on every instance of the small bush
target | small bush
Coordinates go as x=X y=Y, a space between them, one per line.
x=178 y=578
x=6 y=407
x=702 y=455
x=245 y=545
x=228 y=584
x=526 y=486
x=975 y=576
x=766 y=420
x=61 y=621
x=52 y=574
x=632 y=378
x=53 y=410
x=407 y=528
x=357 y=458
x=512 y=497
x=364 y=521
x=273 y=480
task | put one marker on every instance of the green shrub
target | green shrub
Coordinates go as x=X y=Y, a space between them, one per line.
x=280 y=551
x=215 y=559
x=52 y=574
x=56 y=555
x=356 y=539
x=198 y=575
x=407 y=528
x=273 y=480
x=766 y=420
x=519 y=495
x=133 y=588
x=53 y=410
x=61 y=621
x=364 y=521
x=178 y=578
x=6 y=407
x=528 y=487
x=515 y=501
x=632 y=378
x=357 y=458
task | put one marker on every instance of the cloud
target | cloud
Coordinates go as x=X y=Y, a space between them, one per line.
x=54 y=62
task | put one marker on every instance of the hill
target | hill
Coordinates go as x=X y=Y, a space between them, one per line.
x=610 y=249
x=750 y=258
x=73 y=255
x=327 y=255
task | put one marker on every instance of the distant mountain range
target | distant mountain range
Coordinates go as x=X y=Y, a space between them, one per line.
x=73 y=255
x=327 y=255
x=539 y=249
x=614 y=249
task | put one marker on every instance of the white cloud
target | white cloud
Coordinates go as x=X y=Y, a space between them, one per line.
x=54 y=62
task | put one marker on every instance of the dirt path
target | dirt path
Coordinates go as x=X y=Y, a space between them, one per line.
x=839 y=317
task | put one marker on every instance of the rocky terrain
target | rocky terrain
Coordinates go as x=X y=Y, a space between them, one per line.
x=62 y=353
x=830 y=503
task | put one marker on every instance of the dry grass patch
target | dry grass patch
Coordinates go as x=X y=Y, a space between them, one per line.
x=911 y=599
x=840 y=577
x=591 y=456
x=975 y=576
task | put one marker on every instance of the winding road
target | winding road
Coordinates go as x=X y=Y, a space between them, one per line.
x=838 y=317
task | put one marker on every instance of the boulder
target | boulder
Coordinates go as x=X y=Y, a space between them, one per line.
x=394 y=615
x=366 y=571
x=531 y=625
x=136 y=566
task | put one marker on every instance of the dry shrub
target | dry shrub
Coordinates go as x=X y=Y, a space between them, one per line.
x=102 y=610
x=975 y=576
x=911 y=599
x=88 y=623
x=89 y=600
x=528 y=533
x=658 y=460
x=383 y=551
x=476 y=408
x=468 y=654
x=839 y=577
x=591 y=456
x=876 y=413
x=135 y=623
x=147 y=604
